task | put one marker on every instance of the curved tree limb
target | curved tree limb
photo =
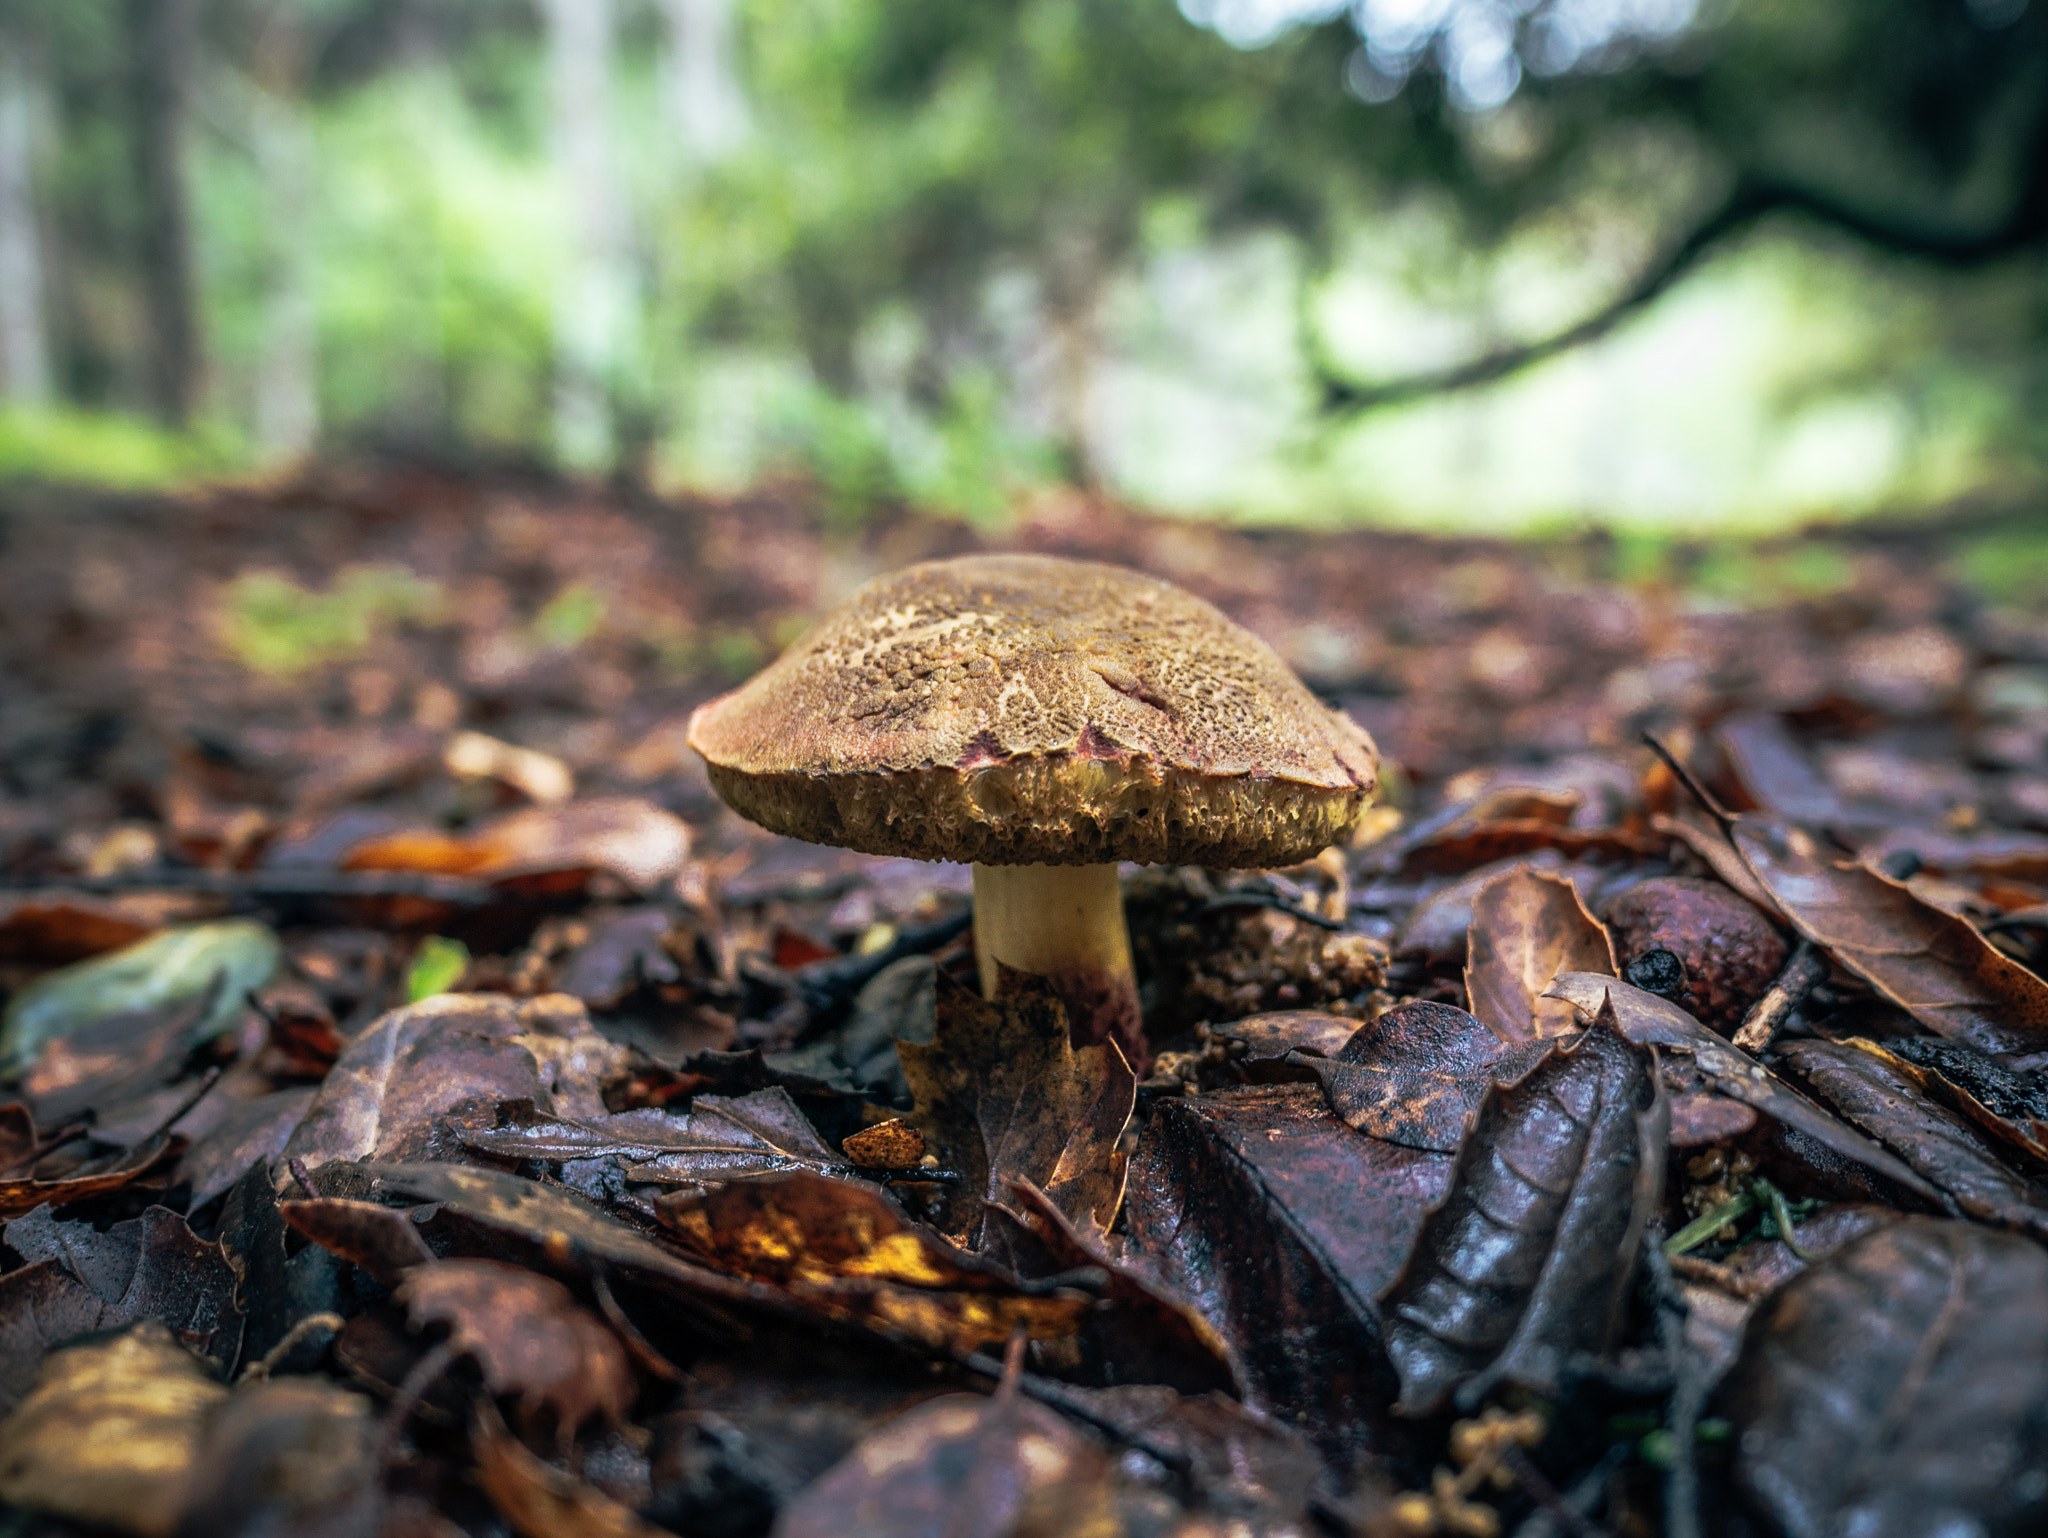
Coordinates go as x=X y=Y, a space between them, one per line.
x=2025 y=225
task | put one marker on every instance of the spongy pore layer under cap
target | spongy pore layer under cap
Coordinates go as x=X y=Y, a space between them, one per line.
x=1019 y=709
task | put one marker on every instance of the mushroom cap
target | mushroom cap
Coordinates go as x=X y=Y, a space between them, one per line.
x=1028 y=710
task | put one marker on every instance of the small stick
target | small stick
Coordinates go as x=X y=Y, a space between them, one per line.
x=303 y=1176
x=425 y=1372
x=1804 y=970
x=256 y=884
x=636 y=1344
x=257 y=1371
x=1685 y=777
x=1047 y=1392
x=1293 y=910
x=1561 y=1508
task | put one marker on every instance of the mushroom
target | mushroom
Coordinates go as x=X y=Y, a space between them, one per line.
x=1041 y=719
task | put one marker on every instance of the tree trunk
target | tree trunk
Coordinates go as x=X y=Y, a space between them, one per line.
x=24 y=345
x=594 y=300
x=160 y=34
x=704 y=98
x=287 y=371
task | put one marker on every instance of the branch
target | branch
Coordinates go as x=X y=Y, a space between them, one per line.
x=2025 y=225
x=1341 y=397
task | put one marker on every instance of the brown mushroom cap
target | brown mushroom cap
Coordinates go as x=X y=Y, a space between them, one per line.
x=1027 y=710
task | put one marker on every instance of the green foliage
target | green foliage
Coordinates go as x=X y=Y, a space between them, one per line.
x=2009 y=566
x=274 y=626
x=569 y=618
x=95 y=448
x=437 y=966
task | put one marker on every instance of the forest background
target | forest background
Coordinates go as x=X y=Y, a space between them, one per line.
x=1500 y=265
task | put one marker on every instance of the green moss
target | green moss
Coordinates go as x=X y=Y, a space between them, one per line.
x=274 y=626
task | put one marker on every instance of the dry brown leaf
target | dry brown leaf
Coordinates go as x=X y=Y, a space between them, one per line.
x=539 y=1500
x=632 y=839
x=1006 y=1096
x=1526 y=928
x=1928 y=962
x=527 y=1336
x=106 y=1435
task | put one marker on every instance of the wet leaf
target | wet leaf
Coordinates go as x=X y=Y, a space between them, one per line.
x=1526 y=928
x=2011 y=1106
x=108 y=1432
x=850 y=1252
x=539 y=1500
x=1002 y=1467
x=527 y=1336
x=624 y=952
x=1878 y=1094
x=1280 y=1225
x=1528 y=1260
x=25 y=1194
x=1272 y=1036
x=763 y=1133
x=1648 y=1020
x=455 y=1055
x=1006 y=1096
x=1415 y=1074
x=1898 y=1388
x=175 y=967
x=1928 y=962
x=255 y=1131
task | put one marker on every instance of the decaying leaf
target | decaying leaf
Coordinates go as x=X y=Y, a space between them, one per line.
x=454 y=1055
x=528 y=1338
x=1899 y=1388
x=2011 y=1106
x=1415 y=1074
x=1001 y=1467
x=219 y=961
x=762 y=1133
x=1927 y=961
x=385 y=1243
x=850 y=1252
x=108 y=1432
x=1648 y=1020
x=1529 y=1258
x=1526 y=928
x=1003 y=1093
x=887 y=1145
x=151 y=1267
x=539 y=1500
x=1880 y=1096
x=1280 y=1224
x=92 y=1179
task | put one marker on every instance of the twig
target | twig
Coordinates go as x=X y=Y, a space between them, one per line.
x=1723 y=818
x=1688 y=1395
x=1804 y=970
x=1279 y=904
x=258 y=1370
x=270 y=884
x=636 y=1344
x=1561 y=1508
x=303 y=1176
x=1047 y=1392
x=1579 y=1500
x=425 y=1372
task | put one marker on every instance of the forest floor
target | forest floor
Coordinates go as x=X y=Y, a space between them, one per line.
x=426 y=1109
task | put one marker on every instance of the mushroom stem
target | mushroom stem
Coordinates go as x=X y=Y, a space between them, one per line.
x=1066 y=923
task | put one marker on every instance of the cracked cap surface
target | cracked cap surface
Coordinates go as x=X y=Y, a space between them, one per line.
x=1023 y=709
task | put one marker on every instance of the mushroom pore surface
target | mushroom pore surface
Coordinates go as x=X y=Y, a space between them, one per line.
x=1017 y=709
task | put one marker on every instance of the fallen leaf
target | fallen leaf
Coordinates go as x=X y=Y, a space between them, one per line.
x=539 y=1500
x=887 y=1145
x=1928 y=962
x=97 y=1178
x=1529 y=1259
x=527 y=1336
x=717 y=1139
x=1898 y=1387
x=151 y=1267
x=456 y=1055
x=1003 y=1092
x=624 y=953
x=634 y=840
x=254 y=1132
x=385 y=1243
x=178 y=966
x=108 y=1432
x=1415 y=1074
x=1279 y=1225
x=1648 y=1020
x=286 y=1455
x=848 y=1251
x=2012 y=1106
x=1526 y=928
x=42 y=1306
x=1879 y=1095
x=541 y=777
x=56 y=928
x=1001 y=1467
x=1272 y=1036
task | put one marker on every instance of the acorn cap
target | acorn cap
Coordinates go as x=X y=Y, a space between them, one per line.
x=1027 y=710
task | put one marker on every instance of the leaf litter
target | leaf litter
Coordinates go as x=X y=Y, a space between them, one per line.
x=433 y=1113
